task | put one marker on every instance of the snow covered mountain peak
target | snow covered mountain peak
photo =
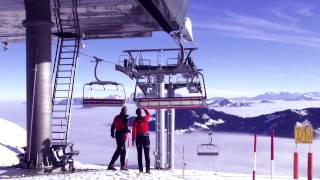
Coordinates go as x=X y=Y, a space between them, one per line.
x=223 y=102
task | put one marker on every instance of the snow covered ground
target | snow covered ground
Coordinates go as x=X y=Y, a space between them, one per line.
x=90 y=131
x=99 y=172
x=257 y=108
x=12 y=138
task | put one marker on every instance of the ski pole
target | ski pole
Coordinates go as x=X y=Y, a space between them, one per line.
x=127 y=154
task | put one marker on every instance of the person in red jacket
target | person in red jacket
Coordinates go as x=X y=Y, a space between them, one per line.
x=120 y=130
x=140 y=134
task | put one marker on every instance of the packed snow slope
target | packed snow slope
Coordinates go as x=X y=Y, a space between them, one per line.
x=12 y=139
x=100 y=172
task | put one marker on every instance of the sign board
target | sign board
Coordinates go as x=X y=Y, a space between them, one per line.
x=303 y=133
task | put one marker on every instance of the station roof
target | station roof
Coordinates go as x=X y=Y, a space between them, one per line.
x=100 y=19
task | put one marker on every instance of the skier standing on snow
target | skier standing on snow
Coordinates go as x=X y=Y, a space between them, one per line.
x=120 y=126
x=140 y=134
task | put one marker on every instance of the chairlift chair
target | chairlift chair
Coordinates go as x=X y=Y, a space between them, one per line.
x=195 y=101
x=106 y=99
x=209 y=149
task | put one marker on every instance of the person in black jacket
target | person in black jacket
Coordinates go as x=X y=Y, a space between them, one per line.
x=120 y=130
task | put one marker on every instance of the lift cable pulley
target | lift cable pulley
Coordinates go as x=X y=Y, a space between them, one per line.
x=148 y=71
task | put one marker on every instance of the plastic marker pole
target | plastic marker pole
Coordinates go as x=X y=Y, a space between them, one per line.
x=272 y=153
x=296 y=164
x=255 y=157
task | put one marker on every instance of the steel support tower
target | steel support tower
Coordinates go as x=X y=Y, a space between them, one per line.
x=170 y=131
x=38 y=47
x=160 y=127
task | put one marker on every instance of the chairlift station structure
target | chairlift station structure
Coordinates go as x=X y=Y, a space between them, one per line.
x=69 y=22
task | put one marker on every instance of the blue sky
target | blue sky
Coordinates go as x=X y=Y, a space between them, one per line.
x=246 y=48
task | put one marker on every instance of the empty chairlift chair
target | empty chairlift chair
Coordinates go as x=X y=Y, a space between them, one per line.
x=193 y=87
x=209 y=149
x=106 y=100
x=97 y=93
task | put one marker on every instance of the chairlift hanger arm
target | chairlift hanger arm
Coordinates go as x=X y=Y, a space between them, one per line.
x=181 y=60
x=98 y=81
x=131 y=57
x=97 y=61
x=204 y=85
x=135 y=90
x=190 y=51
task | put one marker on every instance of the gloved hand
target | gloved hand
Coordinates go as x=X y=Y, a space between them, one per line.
x=132 y=142
x=112 y=135
x=128 y=130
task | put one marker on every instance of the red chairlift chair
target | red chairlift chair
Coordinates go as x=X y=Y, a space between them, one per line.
x=107 y=99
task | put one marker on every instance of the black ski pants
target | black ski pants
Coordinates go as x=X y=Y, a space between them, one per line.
x=121 y=149
x=143 y=143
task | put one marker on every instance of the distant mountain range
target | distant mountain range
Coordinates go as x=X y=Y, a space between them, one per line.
x=208 y=119
x=268 y=97
x=286 y=96
x=223 y=102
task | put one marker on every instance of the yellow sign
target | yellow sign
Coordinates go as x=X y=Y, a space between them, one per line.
x=303 y=134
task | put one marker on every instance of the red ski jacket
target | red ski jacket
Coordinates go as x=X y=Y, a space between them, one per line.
x=140 y=125
x=120 y=124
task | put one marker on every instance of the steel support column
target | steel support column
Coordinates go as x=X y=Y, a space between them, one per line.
x=160 y=127
x=38 y=81
x=170 y=132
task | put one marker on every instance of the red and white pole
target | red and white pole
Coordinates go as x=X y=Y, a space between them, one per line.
x=183 y=161
x=310 y=168
x=255 y=157
x=272 y=153
x=296 y=164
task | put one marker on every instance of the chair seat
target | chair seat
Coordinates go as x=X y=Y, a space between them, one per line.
x=103 y=102
x=174 y=102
